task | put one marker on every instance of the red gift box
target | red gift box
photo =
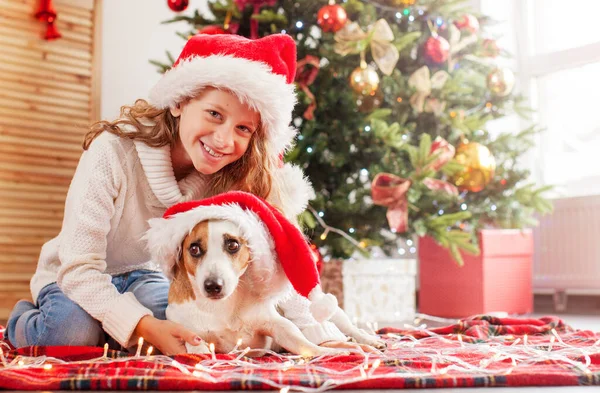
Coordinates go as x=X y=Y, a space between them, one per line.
x=498 y=280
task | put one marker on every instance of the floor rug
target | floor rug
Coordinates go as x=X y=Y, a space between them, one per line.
x=479 y=351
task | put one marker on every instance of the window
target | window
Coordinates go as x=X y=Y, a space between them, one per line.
x=557 y=59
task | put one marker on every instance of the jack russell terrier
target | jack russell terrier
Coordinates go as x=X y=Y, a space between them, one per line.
x=232 y=259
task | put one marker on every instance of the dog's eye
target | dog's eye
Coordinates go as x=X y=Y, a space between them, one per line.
x=195 y=250
x=233 y=246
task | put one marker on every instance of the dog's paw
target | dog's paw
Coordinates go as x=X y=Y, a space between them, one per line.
x=199 y=349
x=363 y=337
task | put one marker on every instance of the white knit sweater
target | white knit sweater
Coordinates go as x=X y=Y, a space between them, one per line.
x=118 y=186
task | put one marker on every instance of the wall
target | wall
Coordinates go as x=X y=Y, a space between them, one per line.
x=132 y=35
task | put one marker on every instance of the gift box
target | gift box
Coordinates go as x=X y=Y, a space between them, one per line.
x=499 y=279
x=379 y=290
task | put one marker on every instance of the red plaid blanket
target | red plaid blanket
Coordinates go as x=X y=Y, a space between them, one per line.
x=480 y=351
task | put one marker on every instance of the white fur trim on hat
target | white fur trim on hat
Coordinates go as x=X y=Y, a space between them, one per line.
x=251 y=81
x=291 y=190
x=165 y=236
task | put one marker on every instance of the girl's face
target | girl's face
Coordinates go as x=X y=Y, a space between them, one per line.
x=215 y=129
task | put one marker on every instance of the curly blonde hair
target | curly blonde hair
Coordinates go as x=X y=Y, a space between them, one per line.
x=158 y=127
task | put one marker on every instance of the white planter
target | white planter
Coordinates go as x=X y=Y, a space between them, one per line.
x=380 y=290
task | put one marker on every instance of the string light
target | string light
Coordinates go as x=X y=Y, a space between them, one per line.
x=309 y=149
x=299 y=25
x=149 y=351
x=409 y=242
x=138 y=352
x=237 y=344
x=501 y=351
x=367 y=128
x=211 y=347
x=351 y=230
x=463 y=206
x=332 y=229
x=493 y=208
x=324 y=234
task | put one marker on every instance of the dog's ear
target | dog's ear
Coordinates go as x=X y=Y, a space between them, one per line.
x=181 y=289
x=178 y=263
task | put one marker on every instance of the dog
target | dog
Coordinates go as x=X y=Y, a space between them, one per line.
x=218 y=293
x=228 y=277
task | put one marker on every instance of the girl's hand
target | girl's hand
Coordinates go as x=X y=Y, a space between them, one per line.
x=349 y=345
x=168 y=337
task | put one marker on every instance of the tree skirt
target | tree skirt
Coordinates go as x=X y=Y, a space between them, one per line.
x=479 y=351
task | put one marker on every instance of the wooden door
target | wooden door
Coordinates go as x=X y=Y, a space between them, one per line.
x=49 y=95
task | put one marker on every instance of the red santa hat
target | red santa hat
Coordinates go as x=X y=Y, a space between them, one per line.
x=268 y=233
x=259 y=72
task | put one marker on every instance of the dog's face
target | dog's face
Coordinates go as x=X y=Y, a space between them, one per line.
x=213 y=257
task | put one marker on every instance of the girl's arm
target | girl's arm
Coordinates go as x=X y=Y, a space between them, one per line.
x=89 y=208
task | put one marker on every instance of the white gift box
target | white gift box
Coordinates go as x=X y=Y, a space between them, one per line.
x=380 y=290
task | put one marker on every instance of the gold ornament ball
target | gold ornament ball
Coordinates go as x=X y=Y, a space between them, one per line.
x=364 y=81
x=501 y=81
x=479 y=166
x=405 y=3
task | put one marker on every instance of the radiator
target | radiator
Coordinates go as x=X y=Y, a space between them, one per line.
x=567 y=248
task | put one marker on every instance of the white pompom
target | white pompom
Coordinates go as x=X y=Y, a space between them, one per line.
x=323 y=306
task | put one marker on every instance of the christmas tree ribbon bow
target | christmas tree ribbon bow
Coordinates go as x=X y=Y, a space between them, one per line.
x=306 y=73
x=256 y=5
x=444 y=150
x=390 y=191
x=424 y=84
x=352 y=39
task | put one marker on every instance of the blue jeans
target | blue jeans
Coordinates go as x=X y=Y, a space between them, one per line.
x=57 y=320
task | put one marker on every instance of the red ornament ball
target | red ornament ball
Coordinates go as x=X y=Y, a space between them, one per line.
x=468 y=22
x=211 y=29
x=331 y=18
x=490 y=48
x=178 y=5
x=436 y=49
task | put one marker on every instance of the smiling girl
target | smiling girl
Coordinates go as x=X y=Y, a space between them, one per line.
x=217 y=121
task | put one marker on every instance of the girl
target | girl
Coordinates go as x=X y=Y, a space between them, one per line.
x=217 y=121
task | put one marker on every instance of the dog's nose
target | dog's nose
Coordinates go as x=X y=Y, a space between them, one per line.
x=213 y=286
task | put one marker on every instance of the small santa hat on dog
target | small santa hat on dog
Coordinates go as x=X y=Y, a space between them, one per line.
x=258 y=220
x=259 y=72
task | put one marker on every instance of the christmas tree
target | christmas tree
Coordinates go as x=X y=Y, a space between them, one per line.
x=394 y=99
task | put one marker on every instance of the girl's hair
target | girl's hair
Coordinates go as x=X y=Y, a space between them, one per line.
x=158 y=127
